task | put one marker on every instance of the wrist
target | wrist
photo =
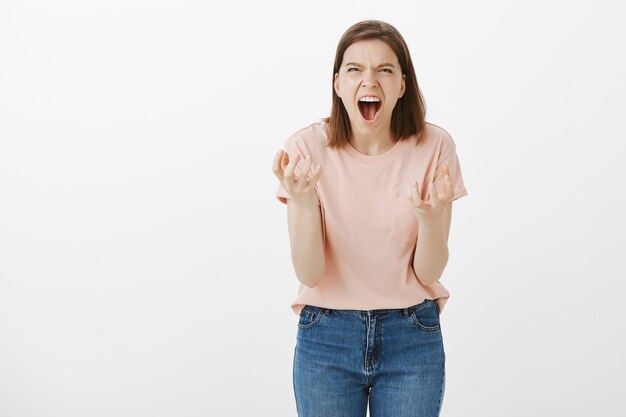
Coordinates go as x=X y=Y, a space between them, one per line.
x=431 y=224
x=311 y=207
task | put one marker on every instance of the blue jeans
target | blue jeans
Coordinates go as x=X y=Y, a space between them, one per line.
x=392 y=357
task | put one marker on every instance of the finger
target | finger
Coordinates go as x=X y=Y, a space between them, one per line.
x=415 y=195
x=444 y=184
x=291 y=167
x=449 y=188
x=278 y=171
x=306 y=167
x=317 y=173
x=284 y=161
x=434 y=200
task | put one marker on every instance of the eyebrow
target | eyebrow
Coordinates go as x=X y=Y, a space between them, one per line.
x=386 y=64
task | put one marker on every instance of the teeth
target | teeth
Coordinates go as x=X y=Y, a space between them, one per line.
x=370 y=99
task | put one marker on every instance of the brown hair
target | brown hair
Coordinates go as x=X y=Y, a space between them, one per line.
x=408 y=117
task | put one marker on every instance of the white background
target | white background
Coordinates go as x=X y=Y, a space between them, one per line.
x=144 y=257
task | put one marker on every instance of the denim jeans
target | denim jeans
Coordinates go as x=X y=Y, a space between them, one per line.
x=392 y=358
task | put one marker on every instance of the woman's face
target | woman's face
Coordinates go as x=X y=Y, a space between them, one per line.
x=369 y=82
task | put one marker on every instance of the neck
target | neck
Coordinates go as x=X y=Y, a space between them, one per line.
x=371 y=143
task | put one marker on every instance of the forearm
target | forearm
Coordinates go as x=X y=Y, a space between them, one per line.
x=431 y=254
x=307 y=246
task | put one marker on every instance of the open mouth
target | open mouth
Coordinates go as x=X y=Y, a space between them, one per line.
x=369 y=108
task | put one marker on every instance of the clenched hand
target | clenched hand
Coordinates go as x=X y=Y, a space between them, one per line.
x=301 y=189
x=431 y=211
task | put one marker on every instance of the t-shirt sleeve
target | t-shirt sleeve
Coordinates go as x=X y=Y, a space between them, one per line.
x=448 y=155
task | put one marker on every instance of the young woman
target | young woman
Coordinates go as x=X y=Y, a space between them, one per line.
x=369 y=237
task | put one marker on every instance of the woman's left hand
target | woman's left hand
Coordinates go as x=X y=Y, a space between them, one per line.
x=431 y=212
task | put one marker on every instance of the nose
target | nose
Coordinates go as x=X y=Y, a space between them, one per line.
x=369 y=79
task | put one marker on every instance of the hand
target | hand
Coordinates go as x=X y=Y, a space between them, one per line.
x=301 y=189
x=431 y=212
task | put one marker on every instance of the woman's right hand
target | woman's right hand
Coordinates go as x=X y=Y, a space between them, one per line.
x=301 y=189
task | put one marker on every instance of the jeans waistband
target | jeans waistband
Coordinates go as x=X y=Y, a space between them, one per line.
x=406 y=311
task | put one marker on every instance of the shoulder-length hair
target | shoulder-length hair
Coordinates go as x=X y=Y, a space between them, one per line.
x=408 y=117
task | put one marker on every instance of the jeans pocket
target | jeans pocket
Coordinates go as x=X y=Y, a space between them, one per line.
x=309 y=316
x=404 y=226
x=426 y=317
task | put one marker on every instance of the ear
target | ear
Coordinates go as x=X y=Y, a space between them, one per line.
x=402 y=86
x=336 y=84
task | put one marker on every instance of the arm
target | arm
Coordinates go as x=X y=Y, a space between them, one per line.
x=307 y=245
x=431 y=251
x=304 y=216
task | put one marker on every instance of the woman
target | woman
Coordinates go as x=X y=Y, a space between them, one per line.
x=369 y=237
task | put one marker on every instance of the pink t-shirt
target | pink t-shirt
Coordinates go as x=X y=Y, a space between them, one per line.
x=368 y=225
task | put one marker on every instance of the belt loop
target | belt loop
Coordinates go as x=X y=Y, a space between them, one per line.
x=327 y=311
x=405 y=312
